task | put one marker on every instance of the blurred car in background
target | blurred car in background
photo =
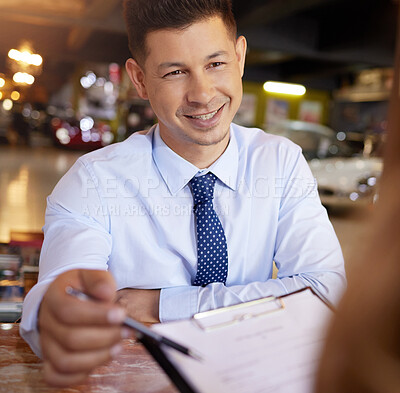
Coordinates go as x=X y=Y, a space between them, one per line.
x=83 y=134
x=344 y=181
x=344 y=176
x=316 y=140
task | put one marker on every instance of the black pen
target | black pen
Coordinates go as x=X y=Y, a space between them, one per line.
x=140 y=329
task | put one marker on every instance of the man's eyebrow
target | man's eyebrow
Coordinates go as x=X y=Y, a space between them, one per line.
x=176 y=64
x=217 y=54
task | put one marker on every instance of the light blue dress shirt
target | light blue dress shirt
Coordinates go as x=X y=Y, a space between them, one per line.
x=128 y=208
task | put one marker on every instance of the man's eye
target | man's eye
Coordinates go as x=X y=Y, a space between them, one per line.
x=172 y=73
x=216 y=64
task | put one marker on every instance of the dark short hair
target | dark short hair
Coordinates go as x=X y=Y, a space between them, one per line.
x=144 y=16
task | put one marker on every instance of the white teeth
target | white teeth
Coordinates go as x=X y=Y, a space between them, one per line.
x=205 y=117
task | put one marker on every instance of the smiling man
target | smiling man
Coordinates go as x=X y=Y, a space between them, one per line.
x=195 y=89
x=186 y=217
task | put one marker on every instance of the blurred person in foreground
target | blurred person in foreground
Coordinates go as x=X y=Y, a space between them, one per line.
x=123 y=225
x=362 y=353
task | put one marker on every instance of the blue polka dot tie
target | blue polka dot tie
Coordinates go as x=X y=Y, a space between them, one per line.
x=212 y=251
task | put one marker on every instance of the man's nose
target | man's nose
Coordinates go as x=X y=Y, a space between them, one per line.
x=201 y=89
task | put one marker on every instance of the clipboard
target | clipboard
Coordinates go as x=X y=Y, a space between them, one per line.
x=273 y=332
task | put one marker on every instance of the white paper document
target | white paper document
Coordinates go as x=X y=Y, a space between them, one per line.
x=266 y=346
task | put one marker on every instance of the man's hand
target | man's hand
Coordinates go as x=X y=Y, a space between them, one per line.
x=140 y=304
x=76 y=336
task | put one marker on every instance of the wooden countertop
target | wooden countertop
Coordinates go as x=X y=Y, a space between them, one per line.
x=134 y=370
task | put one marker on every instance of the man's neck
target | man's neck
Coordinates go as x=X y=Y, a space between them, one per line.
x=201 y=156
x=204 y=156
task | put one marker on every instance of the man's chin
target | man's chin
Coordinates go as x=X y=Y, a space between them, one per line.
x=210 y=139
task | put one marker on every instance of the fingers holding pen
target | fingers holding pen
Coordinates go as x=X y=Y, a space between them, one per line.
x=71 y=352
x=69 y=362
x=99 y=285
x=82 y=338
x=77 y=336
x=75 y=311
x=76 y=324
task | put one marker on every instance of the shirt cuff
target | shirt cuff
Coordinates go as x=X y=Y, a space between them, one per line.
x=178 y=303
x=28 y=328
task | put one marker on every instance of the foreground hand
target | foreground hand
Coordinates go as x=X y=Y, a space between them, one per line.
x=140 y=304
x=76 y=336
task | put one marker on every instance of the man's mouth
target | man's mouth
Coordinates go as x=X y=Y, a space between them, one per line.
x=206 y=116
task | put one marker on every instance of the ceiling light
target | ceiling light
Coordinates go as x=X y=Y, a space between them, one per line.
x=284 y=88
x=13 y=54
x=36 y=60
x=2 y=82
x=15 y=95
x=25 y=57
x=23 y=77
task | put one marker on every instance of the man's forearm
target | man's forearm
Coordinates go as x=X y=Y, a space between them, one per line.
x=183 y=302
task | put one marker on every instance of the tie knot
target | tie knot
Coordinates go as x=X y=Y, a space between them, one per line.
x=203 y=188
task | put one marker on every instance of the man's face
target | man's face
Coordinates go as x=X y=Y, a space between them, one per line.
x=192 y=78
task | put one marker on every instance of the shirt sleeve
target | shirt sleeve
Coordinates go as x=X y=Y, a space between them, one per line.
x=307 y=253
x=76 y=237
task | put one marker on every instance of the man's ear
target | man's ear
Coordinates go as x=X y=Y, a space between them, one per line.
x=136 y=75
x=241 y=48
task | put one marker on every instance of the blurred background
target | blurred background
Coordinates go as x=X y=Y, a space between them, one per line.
x=317 y=71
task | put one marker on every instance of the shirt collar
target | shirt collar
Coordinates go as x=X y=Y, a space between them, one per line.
x=226 y=167
x=177 y=172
